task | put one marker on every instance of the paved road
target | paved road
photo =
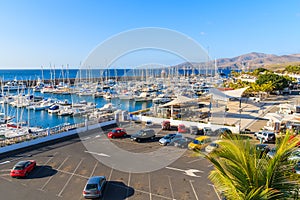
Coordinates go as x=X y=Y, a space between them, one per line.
x=64 y=168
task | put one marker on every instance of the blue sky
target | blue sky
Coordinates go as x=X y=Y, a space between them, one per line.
x=60 y=32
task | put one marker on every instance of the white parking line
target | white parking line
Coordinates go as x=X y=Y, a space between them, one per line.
x=5 y=170
x=94 y=169
x=111 y=171
x=195 y=160
x=50 y=178
x=157 y=195
x=70 y=173
x=171 y=188
x=194 y=190
x=5 y=162
x=128 y=184
x=68 y=181
x=9 y=161
x=35 y=172
x=7 y=179
x=86 y=138
x=215 y=191
x=150 y=187
x=145 y=192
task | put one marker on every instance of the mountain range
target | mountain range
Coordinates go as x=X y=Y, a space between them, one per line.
x=254 y=60
x=251 y=61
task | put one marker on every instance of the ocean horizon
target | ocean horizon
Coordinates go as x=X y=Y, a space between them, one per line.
x=48 y=74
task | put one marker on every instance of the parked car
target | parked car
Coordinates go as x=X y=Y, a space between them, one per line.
x=166 y=125
x=149 y=123
x=23 y=168
x=207 y=131
x=199 y=143
x=168 y=138
x=181 y=142
x=182 y=128
x=194 y=130
x=117 y=133
x=272 y=153
x=245 y=131
x=144 y=134
x=222 y=132
x=295 y=156
x=257 y=134
x=94 y=187
x=255 y=99
x=262 y=149
x=212 y=146
x=267 y=136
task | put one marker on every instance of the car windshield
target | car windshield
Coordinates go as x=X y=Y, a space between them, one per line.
x=213 y=144
x=91 y=187
x=114 y=131
x=196 y=142
x=273 y=150
x=140 y=132
x=18 y=168
x=167 y=137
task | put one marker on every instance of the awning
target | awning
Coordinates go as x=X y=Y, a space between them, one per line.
x=178 y=101
x=224 y=96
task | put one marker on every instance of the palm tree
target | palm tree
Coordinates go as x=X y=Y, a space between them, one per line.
x=243 y=175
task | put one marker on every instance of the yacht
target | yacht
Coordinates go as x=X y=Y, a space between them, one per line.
x=13 y=86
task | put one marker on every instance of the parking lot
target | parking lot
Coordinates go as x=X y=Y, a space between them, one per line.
x=63 y=169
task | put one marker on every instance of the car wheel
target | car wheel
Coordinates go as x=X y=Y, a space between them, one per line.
x=26 y=174
x=113 y=137
x=125 y=135
x=138 y=140
x=263 y=141
x=152 y=138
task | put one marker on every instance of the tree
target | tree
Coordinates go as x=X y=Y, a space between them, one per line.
x=293 y=69
x=267 y=87
x=279 y=82
x=242 y=175
x=257 y=71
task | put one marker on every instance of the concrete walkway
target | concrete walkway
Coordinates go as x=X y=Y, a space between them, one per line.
x=251 y=112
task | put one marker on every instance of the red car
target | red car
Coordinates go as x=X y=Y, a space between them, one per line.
x=23 y=168
x=166 y=125
x=181 y=128
x=117 y=133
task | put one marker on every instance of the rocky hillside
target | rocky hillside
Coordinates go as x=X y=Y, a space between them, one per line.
x=255 y=60
x=250 y=61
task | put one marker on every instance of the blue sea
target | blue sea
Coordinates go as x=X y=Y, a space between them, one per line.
x=48 y=74
x=43 y=119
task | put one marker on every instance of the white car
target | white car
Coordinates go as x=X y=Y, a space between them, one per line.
x=212 y=146
x=258 y=134
x=255 y=99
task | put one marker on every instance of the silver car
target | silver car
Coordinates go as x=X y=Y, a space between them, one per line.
x=168 y=138
x=94 y=187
